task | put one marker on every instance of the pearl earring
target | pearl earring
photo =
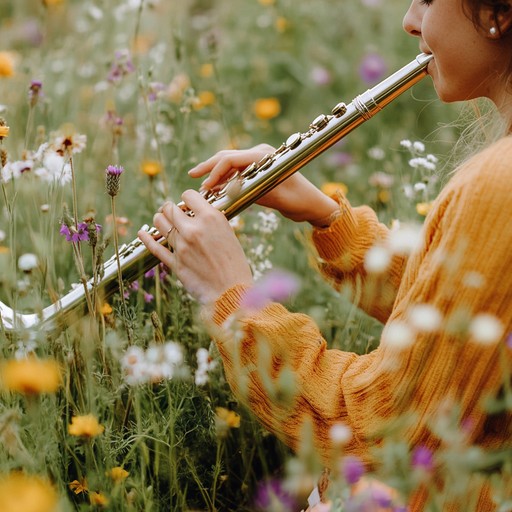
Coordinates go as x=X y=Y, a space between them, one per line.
x=492 y=31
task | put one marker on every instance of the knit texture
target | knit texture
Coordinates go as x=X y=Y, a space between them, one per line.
x=462 y=269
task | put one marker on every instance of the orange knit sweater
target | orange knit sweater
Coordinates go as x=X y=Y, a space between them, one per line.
x=463 y=268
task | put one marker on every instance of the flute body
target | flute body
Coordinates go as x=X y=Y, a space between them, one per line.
x=250 y=184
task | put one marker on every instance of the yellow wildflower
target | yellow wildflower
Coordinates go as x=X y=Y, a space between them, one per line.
x=384 y=196
x=267 y=108
x=106 y=309
x=79 y=486
x=267 y=2
x=227 y=418
x=97 y=498
x=30 y=376
x=204 y=99
x=206 y=70
x=7 y=64
x=4 y=250
x=25 y=493
x=281 y=24
x=85 y=426
x=4 y=131
x=142 y=44
x=151 y=168
x=424 y=208
x=118 y=474
x=332 y=188
x=49 y=3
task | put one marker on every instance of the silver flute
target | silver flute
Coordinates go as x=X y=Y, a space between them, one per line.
x=240 y=191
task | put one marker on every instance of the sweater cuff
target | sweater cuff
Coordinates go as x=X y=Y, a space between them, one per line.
x=332 y=242
x=228 y=303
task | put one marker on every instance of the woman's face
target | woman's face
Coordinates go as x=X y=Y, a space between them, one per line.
x=468 y=61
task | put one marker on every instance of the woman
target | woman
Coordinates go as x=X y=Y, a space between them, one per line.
x=460 y=275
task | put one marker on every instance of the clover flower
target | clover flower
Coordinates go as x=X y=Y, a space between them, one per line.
x=113 y=178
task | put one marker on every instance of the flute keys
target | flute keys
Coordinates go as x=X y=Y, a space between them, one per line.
x=319 y=122
x=294 y=140
x=339 y=110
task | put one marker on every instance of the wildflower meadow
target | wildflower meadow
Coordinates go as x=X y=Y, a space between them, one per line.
x=104 y=106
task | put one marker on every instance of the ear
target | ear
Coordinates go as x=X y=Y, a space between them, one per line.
x=497 y=19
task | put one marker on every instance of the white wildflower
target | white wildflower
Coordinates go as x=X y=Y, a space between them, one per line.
x=407 y=144
x=204 y=365
x=54 y=169
x=2 y=235
x=418 y=146
x=397 y=335
x=268 y=222
x=173 y=353
x=424 y=317
x=405 y=240
x=340 y=433
x=27 y=262
x=420 y=187
x=376 y=153
x=486 y=329
x=377 y=259
x=432 y=158
x=25 y=349
x=381 y=179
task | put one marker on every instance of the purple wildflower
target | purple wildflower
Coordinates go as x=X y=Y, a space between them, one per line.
x=78 y=234
x=113 y=177
x=276 y=286
x=154 y=89
x=423 y=459
x=34 y=92
x=352 y=468
x=321 y=76
x=148 y=297
x=271 y=493
x=121 y=66
x=372 y=68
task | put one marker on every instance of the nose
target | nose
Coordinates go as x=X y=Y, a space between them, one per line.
x=412 y=19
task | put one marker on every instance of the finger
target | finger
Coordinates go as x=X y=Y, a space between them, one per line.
x=156 y=249
x=205 y=167
x=197 y=203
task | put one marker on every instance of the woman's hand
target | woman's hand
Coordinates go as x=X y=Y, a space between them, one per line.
x=206 y=255
x=297 y=198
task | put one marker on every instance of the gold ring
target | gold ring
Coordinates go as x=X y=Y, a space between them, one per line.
x=169 y=231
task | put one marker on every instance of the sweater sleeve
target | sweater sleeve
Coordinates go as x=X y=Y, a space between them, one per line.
x=342 y=248
x=278 y=363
